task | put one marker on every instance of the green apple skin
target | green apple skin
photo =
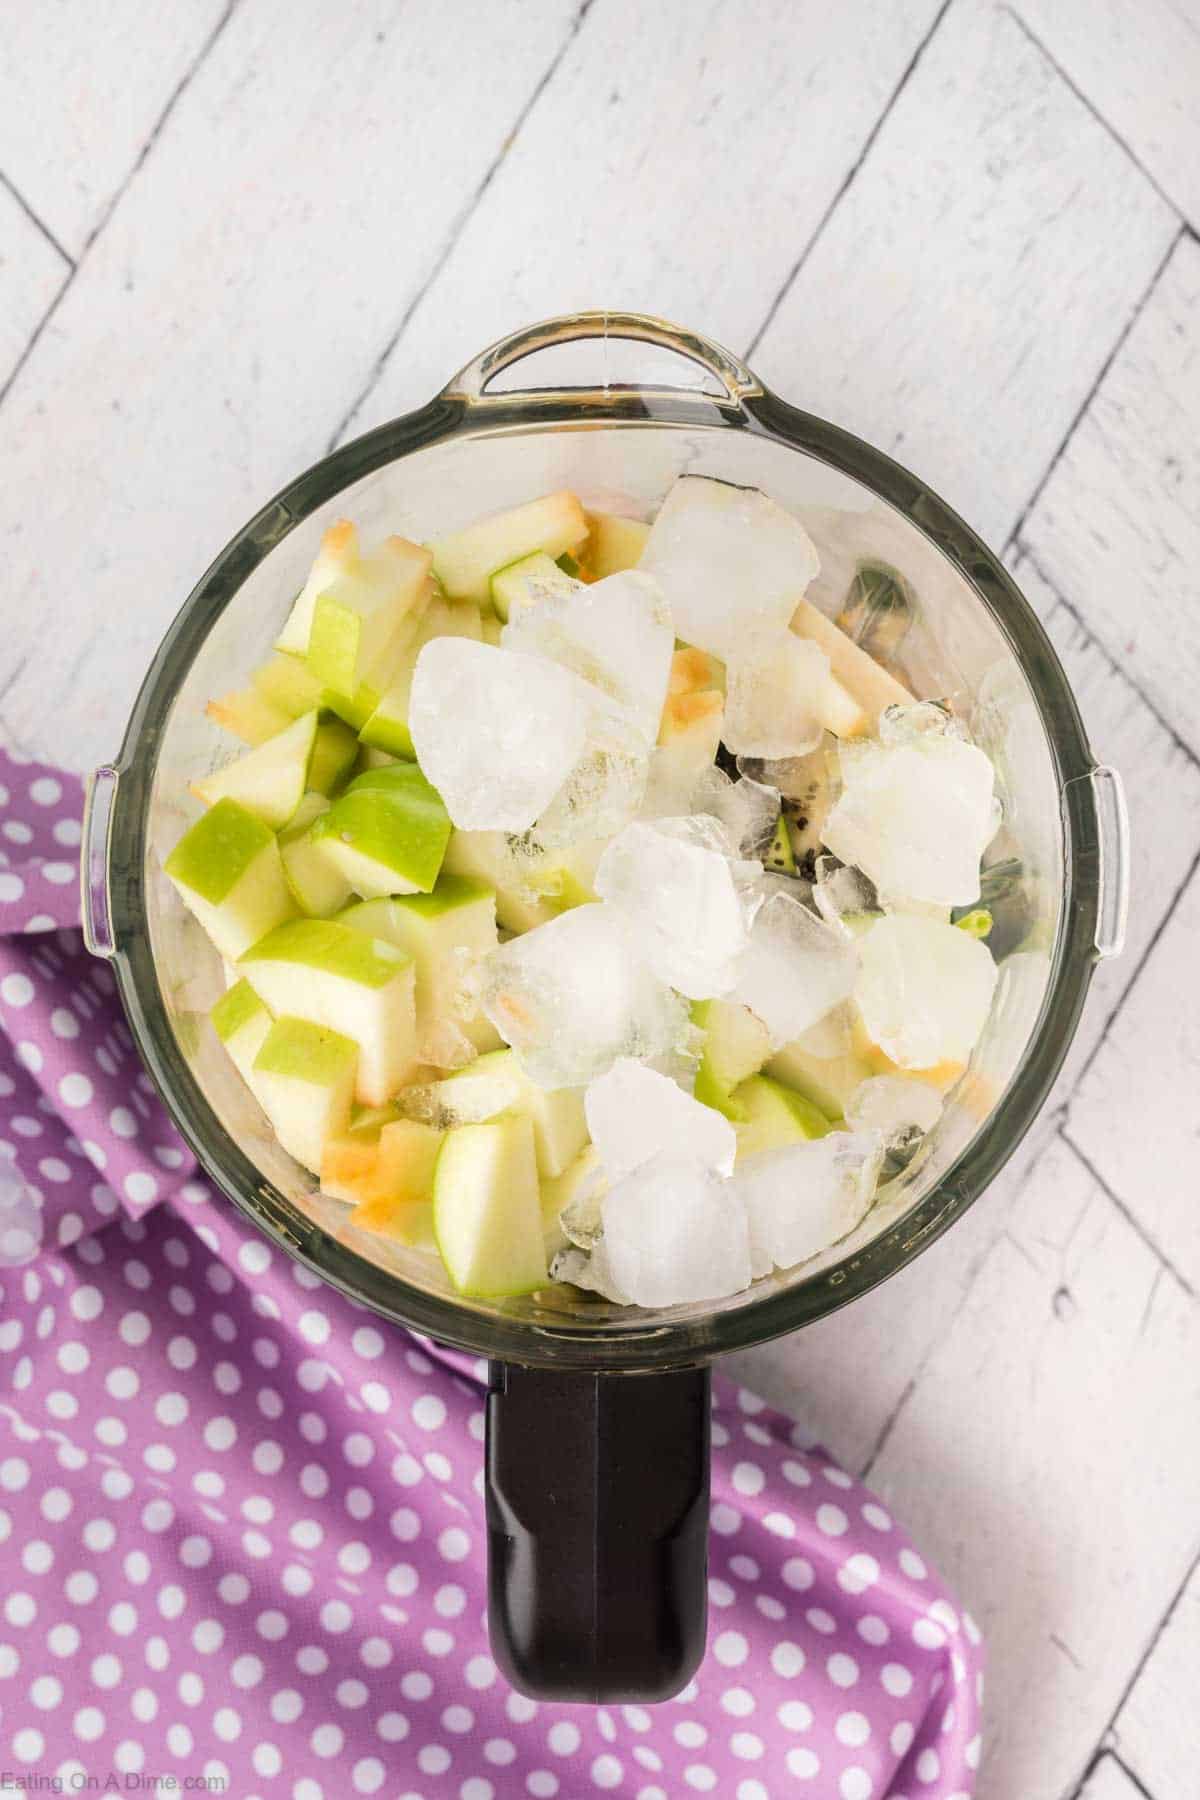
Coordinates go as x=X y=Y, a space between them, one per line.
x=558 y=1191
x=828 y=1081
x=269 y=780
x=465 y=561
x=334 y=751
x=228 y=873
x=736 y=1045
x=487 y=1215
x=318 y=885
x=774 y=1116
x=388 y=832
x=340 y=979
x=304 y=1080
x=242 y=1022
x=387 y=726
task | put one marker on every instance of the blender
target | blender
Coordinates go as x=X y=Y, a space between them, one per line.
x=597 y=1416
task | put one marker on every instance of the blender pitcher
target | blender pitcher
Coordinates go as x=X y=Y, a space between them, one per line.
x=597 y=1418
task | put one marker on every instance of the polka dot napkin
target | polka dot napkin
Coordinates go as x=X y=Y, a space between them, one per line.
x=243 y=1539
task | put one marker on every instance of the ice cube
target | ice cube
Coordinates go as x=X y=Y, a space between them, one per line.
x=729 y=560
x=570 y=997
x=495 y=731
x=794 y=968
x=894 y=1103
x=924 y=989
x=606 y=787
x=916 y=818
x=915 y=724
x=842 y=893
x=616 y=634
x=829 y=1037
x=635 y=1114
x=801 y=1199
x=676 y=890
x=748 y=809
x=588 y=1270
x=774 y=701
x=674 y=1232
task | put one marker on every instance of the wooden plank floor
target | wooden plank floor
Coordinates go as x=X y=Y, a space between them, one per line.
x=234 y=234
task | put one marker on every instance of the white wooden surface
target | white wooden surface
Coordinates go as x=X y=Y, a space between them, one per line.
x=232 y=234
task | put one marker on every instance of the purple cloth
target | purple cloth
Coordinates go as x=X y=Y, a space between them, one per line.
x=242 y=1518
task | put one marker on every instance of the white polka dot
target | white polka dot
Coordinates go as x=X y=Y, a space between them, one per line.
x=731 y=1649
x=60 y=873
x=858 y=1573
x=429 y=1412
x=973 y=1752
x=20 y=1609
x=725 y=1520
x=563 y=1738
x=606 y=1772
x=16 y=990
x=748 y=1478
x=454 y=1544
x=897 y=1680
x=11 y=886
x=747 y=1746
x=45 y=791
x=831 y=1520
x=876 y=1517
x=912 y=1564
x=46 y=1692
x=14 y=1474
x=75 y=1090
x=738 y=1701
x=63 y=1640
x=856 y=1784
x=929 y=1767
x=28 y=1745
x=842 y=1670
x=87 y=1303
x=853 y=1729
x=787 y=1659
x=872 y=1629
x=368 y=1775
x=88 y=1724
x=928 y=1635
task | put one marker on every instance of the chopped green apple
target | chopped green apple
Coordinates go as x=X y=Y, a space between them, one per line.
x=334 y=751
x=398 y=1203
x=370 y=593
x=316 y=881
x=565 y=877
x=304 y=1081
x=527 y=582
x=487 y=1215
x=583 y=1175
x=614 y=543
x=865 y=682
x=828 y=1081
x=773 y=1115
x=387 y=833
x=241 y=1021
x=286 y=681
x=228 y=873
x=491 y=629
x=496 y=1083
x=346 y=982
x=465 y=561
x=444 y=932
x=486 y=856
x=779 y=856
x=247 y=715
x=736 y=1045
x=387 y=726
x=370 y=758
x=270 y=780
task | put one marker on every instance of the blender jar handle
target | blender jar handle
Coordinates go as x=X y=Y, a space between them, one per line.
x=93 y=863
x=727 y=370
x=1112 y=830
x=597 y=1515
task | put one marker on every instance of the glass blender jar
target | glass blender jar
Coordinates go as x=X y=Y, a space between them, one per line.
x=597 y=1438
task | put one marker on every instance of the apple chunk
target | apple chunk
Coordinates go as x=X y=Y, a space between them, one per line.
x=361 y=987
x=228 y=873
x=387 y=833
x=445 y=933
x=270 y=780
x=465 y=561
x=304 y=1080
x=487 y=1214
x=241 y=1021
